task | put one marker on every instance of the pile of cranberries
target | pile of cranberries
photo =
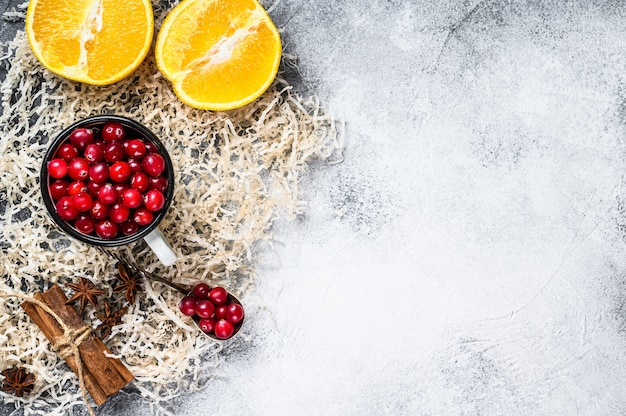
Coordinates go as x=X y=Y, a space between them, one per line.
x=213 y=310
x=108 y=182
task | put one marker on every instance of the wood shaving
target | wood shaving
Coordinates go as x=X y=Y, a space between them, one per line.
x=236 y=173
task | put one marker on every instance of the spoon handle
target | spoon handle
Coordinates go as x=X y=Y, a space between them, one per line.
x=132 y=264
x=166 y=282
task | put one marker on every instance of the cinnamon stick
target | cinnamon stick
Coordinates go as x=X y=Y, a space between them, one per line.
x=92 y=349
x=53 y=331
x=103 y=376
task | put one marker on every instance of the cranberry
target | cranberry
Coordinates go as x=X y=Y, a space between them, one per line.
x=85 y=223
x=150 y=147
x=153 y=164
x=93 y=188
x=67 y=152
x=205 y=308
x=143 y=216
x=81 y=138
x=129 y=227
x=99 y=172
x=234 y=313
x=120 y=188
x=140 y=181
x=57 y=168
x=113 y=132
x=83 y=201
x=187 y=306
x=159 y=183
x=131 y=198
x=218 y=295
x=106 y=229
x=201 y=291
x=78 y=169
x=220 y=312
x=107 y=194
x=224 y=329
x=118 y=213
x=99 y=210
x=154 y=200
x=66 y=209
x=114 y=152
x=94 y=153
x=58 y=189
x=76 y=187
x=135 y=165
x=207 y=325
x=119 y=172
x=135 y=148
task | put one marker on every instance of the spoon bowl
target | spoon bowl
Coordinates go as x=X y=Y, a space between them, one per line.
x=185 y=291
x=189 y=292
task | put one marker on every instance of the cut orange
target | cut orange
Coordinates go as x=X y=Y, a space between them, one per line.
x=218 y=54
x=97 y=42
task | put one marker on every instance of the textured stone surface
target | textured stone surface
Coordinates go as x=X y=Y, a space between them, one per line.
x=467 y=257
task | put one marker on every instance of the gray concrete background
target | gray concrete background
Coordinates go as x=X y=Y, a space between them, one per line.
x=477 y=266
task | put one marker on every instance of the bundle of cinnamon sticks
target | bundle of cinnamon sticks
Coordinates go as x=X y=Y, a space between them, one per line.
x=103 y=376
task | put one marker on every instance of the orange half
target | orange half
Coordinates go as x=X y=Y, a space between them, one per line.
x=97 y=42
x=218 y=54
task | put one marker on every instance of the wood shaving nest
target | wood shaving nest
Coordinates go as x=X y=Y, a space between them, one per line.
x=236 y=173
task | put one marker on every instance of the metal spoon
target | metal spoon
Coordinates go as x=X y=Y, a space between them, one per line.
x=131 y=265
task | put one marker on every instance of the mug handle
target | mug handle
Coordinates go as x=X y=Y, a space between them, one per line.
x=157 y=242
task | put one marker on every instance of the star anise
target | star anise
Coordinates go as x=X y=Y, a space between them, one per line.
x=109 y=320
x=130 y=283
x=86 y=291
x=17 y=380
